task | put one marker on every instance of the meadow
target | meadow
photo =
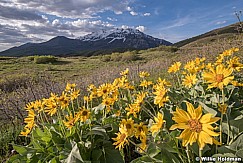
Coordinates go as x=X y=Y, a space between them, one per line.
x=24 y=80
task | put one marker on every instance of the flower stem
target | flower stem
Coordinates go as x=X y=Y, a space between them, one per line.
x=221 y=121
x=200 y=155
x=228 y=124
x=187 y=153
x=141 y=149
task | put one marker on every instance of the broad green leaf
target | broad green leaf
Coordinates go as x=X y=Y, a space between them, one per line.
x=96 y=154
x=237 y=144
x=225 y=149
x=236 y=127
x=111 y=155
x=74 y=155
x=239 y=153
x=167 y=157
x=208 y=109
x=22 y=150
x=195 y=148
x=145 y=159
x=98 y=108
x=153 y=152
x=98 y=130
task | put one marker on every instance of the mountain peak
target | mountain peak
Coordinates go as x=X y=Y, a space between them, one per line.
x=98 y=42
x=115 y=33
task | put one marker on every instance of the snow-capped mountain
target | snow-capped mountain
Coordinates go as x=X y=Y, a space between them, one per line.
x=115 y=34
x=98 y=42
x=110 y=34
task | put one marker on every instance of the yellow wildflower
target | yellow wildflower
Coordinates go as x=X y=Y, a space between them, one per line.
x=219 y=77
x=143 y=74
x=160 y=97
x=83 y=114
x=133 y=109
x=235 y=64
x=140 y=130
x=125 y=72
x=197 y=127
x=159 y=121
x=145 y=83
x=189 y=80
x=70 y=87
x=121 y=139
x=71 y=120
x=223 y=108
x=128 y=126
x=174 y=68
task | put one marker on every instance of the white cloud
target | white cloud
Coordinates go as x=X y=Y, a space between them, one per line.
x=129 y=8
x=124 y=27
x=141 y=28
x=112 y=19
x=146 y=14
x=221 y=22
x=55 y=22
x=133 y=13
x=68 y=9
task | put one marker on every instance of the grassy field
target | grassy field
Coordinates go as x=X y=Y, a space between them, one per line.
x=23 y=80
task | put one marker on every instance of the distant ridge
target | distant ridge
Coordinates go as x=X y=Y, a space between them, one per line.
x=224 y=30
x=104 y=41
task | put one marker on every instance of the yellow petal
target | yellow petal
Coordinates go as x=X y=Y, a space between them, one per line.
x=213 y=120
x=206 y=118
x=182 y=115
x=198 y=112
x=179 y=126
x=205 y=127
x=191 y=110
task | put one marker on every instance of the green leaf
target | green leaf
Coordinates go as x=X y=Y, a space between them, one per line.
x=111 y=155
x=167 y=157
x=225 y=149
x=236 y=127
x=195 y=148
x=22 y=150
x=96 y=154
x=98 y=130
x=56 y=138
x=74 y=155
x=239 y=153
x=145 y=159
x=237 y=144
x=54 y=160
x=153 y=152
x=98 y=108
x=208 y=109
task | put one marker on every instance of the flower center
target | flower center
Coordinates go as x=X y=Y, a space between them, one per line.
x=140 y=128
x=195 y=125
x=105 y=91
x=84 y=113
x=123 y=137
x=219 y=78
x=128 y=126
x=234 y=65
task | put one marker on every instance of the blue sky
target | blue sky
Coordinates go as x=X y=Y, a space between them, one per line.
x=23 y=21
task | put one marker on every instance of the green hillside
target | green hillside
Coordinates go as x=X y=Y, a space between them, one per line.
x=223 y=32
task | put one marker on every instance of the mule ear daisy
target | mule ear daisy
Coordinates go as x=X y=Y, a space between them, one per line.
x=196 y=126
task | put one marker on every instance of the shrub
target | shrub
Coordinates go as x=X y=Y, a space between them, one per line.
x=44 y=59
x=105 y=58
x=30 y=58
x=129 y=56
x=116 y=56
